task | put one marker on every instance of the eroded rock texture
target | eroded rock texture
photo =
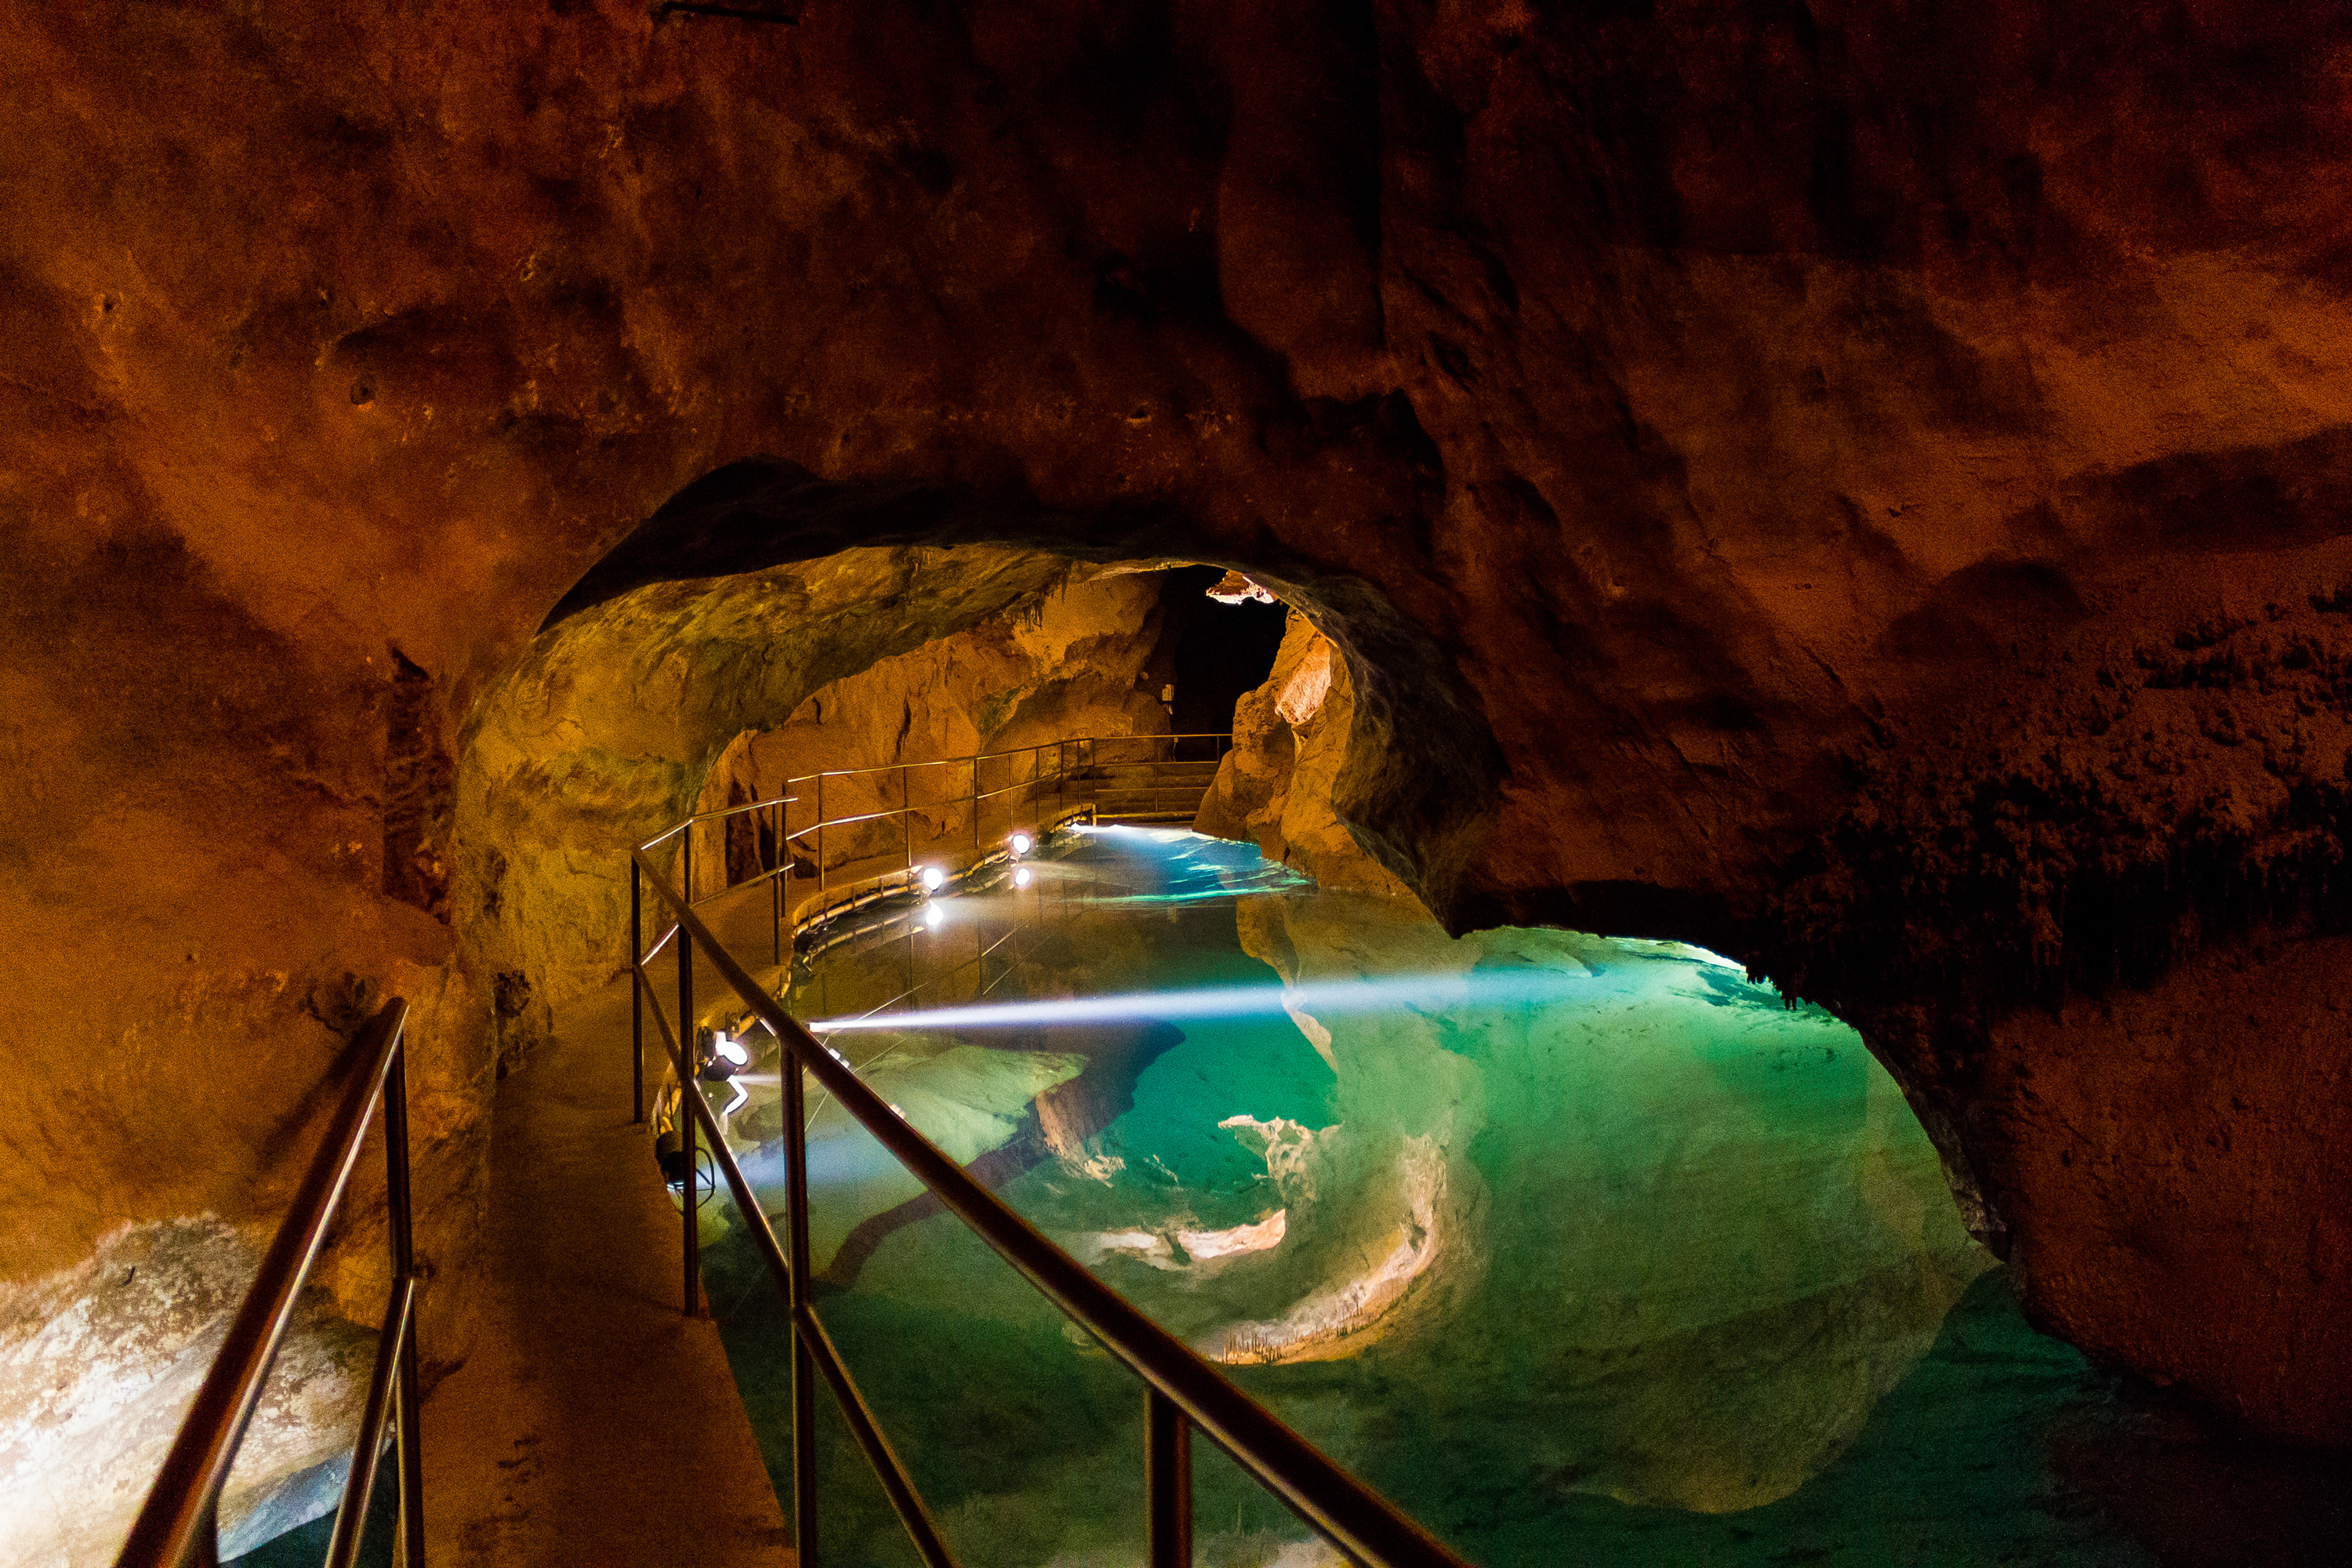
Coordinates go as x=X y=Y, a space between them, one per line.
x=1070 y=663
x=1292 y=737
x=620 y=721
x=97 y=1365
x=1856 y=485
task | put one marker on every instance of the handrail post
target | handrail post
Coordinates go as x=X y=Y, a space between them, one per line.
x=411 y=1543
x=636 y=994
x=1168 y=1480
x=796 y=1243
x=975 y=810
x=179 y=1522
x=905 y=825
x=692 y=1293
x=207 y=1543
x=820 y=843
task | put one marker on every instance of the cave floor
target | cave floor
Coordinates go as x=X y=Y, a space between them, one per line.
x=593 y=1424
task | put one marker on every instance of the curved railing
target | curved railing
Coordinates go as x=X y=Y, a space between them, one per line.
x=757 y=842
x=1182 y=1390
x=1009 y=787
x=179 y=1522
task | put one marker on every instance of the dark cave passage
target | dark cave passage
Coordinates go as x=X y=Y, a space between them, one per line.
x=1220 y=650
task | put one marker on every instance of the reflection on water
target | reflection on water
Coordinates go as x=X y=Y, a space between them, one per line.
x=1579 y=1249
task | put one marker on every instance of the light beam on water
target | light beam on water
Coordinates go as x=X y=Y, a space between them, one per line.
x=1420 y=992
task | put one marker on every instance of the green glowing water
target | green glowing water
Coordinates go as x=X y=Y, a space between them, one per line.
x=1664 y=1272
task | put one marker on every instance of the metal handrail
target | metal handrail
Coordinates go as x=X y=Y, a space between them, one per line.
x=896 y=1483
x=1079 y=751
x=1182 y=1390
x=179 y=1524
x=742 y=806
x=737 y=809
x=1016 y=751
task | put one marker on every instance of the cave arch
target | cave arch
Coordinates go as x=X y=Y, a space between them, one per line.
x=1439 y=768
x=694 y=607
x=1642 y=742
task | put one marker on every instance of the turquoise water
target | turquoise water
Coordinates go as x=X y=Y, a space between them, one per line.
x=305 y=1546
x=1579 y=1250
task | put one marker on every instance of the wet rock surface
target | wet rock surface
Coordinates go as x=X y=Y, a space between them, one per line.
x=1858 y=486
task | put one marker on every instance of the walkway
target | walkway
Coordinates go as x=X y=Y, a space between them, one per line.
x=593 y=1424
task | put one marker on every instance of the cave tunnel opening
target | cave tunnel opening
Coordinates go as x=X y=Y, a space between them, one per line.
x=1806 y=1342
x=702 y=664
x=1222 y=651
x=1666 y=1261
x=1520 y=1192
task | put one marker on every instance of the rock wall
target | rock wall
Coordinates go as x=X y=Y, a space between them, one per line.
x=1294 y=737
x=1071 y=662
x=97 y=1366
x=607 y=730
x=1860 y=486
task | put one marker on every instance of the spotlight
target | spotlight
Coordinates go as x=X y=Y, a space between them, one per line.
x=720 y=1058
x=933 y=878
x=1021 y=878
x=933 y=916
x=1021 y=844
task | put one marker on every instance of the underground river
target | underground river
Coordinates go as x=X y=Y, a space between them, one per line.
x=1579 y=1249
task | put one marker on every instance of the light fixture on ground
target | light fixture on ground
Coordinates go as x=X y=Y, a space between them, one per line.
x=933 y=916
x=933 y=878
x=727 y=1059
x=1021 y=878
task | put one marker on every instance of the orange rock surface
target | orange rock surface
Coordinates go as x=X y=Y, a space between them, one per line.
x=1860 y=486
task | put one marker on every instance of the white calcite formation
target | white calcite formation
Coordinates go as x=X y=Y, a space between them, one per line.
x=99 y=1364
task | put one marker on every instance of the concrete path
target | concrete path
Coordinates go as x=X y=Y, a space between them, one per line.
x=594 y=1425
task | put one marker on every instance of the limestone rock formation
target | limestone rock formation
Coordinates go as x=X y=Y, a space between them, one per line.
x=1066 y=664
x=97 y=1366
x=1858 y=485
x=609 y=729
x=1292 y=737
